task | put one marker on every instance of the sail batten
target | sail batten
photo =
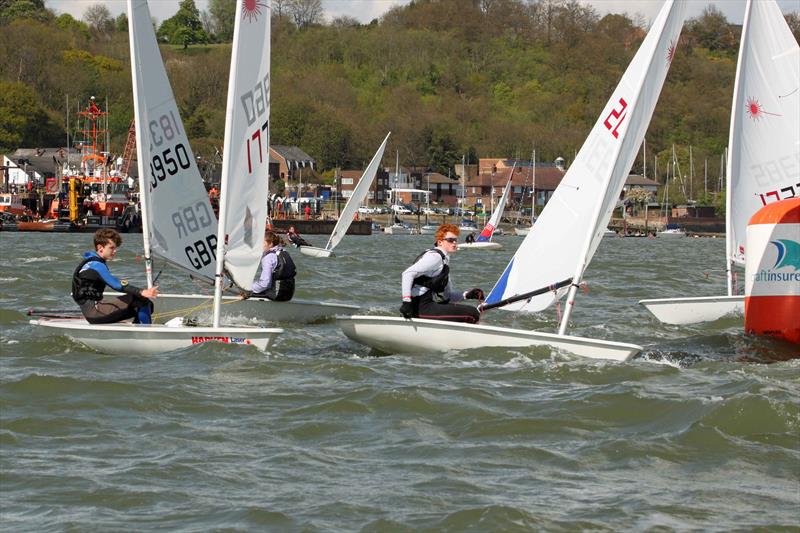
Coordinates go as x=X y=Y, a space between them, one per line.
x=569 y=229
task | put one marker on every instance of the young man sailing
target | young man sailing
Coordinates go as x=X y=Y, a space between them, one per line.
x=92 y=276
x=427 y=291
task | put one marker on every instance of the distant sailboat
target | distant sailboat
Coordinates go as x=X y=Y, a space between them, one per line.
x=764 y=130
x=523 y=231
x=484 y=240
x=397 y=227
x=351 y=207
x=561 y=244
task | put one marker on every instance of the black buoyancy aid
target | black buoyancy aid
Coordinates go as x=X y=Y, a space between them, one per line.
x=284 y=268
x=437 y=283
x=87 y=287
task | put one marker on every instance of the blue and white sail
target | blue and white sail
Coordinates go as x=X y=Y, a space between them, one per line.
x=562 y=242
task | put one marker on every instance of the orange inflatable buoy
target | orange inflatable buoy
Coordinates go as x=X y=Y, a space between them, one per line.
x=772 y=271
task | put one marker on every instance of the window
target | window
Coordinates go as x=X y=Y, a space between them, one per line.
x=347 y=181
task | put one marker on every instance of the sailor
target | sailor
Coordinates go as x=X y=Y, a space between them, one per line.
x=91 y=278
x=293 y=237
x=427 y=291
x=470 y=238
x=277 y=272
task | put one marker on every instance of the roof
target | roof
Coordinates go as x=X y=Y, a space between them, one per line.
x=436 y=177
x=293 y=154
x=547 y=178
x=45 y=161
x=636 y=179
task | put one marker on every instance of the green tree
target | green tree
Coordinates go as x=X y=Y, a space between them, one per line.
x=25 y=122
x=121 y=23
x=24 y=9
x=712 y=30
x=223 y=13
x=184 y=27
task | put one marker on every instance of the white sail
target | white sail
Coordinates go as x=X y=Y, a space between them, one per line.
x=488 y=229
x=764 y=147
x=180 y=225
x=245 y=177
x=569 y=229
x=359 y=193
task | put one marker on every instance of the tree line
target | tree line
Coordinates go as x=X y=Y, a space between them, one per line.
x=485 y=78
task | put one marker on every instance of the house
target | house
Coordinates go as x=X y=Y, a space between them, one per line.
x=443 y=189
x=348 y=180
x=293 y=167
x=487 y=185
x=635 y=180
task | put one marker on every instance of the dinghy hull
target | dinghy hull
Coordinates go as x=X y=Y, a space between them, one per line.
x=125 y=338
x=313 y=251
x=682 y=311
x=488 y=245
x=398 y=335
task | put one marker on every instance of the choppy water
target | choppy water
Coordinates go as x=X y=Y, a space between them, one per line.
x=696 y=434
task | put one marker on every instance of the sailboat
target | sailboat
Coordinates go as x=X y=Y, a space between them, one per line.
x=484 y=240
x=523 y=231
x=397 y=228
x=187 y=237
x=428 y=228
x=351 y=207
x=670 y=231
x=764 y=132
x=182 y=226
x=567 y=232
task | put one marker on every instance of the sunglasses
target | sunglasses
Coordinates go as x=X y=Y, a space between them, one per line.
x=451 y=239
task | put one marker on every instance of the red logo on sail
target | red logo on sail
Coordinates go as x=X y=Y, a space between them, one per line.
x=251 y=9
x=755 y=110
x=671 y=51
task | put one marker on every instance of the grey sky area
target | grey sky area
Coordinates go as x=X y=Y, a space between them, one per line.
x=366 y=10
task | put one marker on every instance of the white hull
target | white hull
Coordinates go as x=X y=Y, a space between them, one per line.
x=399 y=335
x=469 y=229
x=313 y=251
x=522 y=231
x=428 y=230
x=233 y=308
x=681 y=311
x=672 y=233
x=148 y=339
x=480 y=246
x=397 y=230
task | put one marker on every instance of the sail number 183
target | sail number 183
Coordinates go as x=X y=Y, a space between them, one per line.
x=166 y=161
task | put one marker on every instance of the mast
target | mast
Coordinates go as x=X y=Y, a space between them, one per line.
x=140 y=163
x=644 y=158
x=533 y=188
x=224 y=181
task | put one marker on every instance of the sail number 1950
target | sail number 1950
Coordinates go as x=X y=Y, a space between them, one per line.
x=167 y=163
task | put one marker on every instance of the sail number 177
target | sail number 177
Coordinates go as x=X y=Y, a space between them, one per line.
x=256 y=110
